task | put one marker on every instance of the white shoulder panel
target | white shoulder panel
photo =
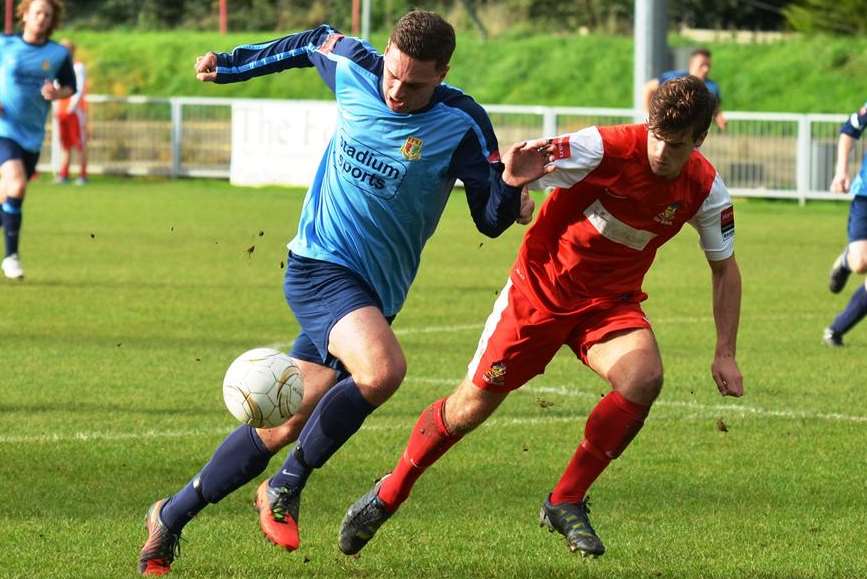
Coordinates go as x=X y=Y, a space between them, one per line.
x=576 y=155
x=715 y=223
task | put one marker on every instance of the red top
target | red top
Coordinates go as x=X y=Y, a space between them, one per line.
x=596 y=239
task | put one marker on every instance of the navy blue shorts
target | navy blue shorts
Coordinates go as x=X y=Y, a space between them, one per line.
x=858 y=218
x=10 y=149
x=320 y=293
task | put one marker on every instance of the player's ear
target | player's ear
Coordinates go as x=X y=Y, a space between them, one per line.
x=700 y=139
x=443 y=72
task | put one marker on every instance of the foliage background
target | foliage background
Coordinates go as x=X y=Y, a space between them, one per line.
x=843 y=16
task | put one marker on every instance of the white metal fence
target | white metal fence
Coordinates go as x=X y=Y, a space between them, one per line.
x=759 y=154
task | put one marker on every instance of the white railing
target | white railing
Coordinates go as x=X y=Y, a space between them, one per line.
x=772 y=155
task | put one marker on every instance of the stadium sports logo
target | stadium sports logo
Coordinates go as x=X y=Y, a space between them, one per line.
x=666 y=217
x=496 y=374
x=366 y=168
x=412 y=149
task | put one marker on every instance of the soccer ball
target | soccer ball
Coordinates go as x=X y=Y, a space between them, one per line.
x=263 y=388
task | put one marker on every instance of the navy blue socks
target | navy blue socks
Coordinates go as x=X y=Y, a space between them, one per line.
x=240 y=458
x=854 y=312
x=11 y=216
x=338 y=416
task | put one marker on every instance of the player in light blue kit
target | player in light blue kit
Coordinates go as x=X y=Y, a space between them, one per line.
x=402 y=139
x=854 y=256
x=33 y=72
x=698 y=66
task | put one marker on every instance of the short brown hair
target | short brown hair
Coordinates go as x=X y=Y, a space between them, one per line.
x=425 y=36
x=681 y=104
x=701 y=51
x=57 y=5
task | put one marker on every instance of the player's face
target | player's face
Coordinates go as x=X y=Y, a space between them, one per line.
x=408 y=83
x=699 y=66
x=38 y=19
x=668 y=156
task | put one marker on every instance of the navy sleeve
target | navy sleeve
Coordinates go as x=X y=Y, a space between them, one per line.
x=855 y=124
x=251 y=60
x=66 y=75
x=493 y=204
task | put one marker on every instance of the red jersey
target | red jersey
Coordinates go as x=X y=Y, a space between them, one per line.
x=598 y=231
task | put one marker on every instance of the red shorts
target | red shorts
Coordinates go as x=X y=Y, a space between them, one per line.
x=71 y=131
x=519 y=340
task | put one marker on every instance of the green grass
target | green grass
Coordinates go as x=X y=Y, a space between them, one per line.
x=806 y=74
x=139 y=294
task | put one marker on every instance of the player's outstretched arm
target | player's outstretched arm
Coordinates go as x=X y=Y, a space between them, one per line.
x=726 y=313
x=252 y=60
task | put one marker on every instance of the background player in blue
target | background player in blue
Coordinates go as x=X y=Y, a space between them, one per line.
x=854 y=256
x=699 y=66
x=402 y=139
x=33 y=72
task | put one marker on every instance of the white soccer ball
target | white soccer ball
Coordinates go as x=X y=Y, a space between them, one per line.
x=263 y=388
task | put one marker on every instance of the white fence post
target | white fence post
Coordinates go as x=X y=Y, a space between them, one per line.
x=549 y=123
x=803 y=166
x=177 y=135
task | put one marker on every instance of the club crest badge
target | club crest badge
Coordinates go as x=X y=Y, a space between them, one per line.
x=666 y=217
x=46 y=65
x=496 y=374
x=412 y=149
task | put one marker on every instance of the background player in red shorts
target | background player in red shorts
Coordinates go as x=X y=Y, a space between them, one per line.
x=72 y=122
x=620 y=193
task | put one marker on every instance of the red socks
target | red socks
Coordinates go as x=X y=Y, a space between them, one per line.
x=610 y=428
x=430 y=439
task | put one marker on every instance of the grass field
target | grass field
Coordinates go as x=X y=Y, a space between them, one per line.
x=139 y=294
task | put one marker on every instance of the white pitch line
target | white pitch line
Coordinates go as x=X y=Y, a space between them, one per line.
x=410 y=331
x=700 y=412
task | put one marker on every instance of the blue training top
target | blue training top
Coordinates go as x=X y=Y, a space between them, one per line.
x=853 y=127
x=385 y=177
x=673 y=74
x=24 y=68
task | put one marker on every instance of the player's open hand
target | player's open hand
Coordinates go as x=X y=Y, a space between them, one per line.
x=526 y=162
x=727 y=376
x=840 y=184
x=527 y=208
x=206 y=67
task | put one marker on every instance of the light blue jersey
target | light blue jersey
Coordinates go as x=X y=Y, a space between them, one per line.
x=385 y=177
x=854 y=127
x=24 y=68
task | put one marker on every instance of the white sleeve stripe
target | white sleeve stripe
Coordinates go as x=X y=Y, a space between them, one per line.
x=853 y=120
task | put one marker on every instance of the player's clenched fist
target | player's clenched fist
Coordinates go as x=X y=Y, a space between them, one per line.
x=206 y=67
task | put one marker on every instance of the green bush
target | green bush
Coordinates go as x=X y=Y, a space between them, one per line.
x=804 y=74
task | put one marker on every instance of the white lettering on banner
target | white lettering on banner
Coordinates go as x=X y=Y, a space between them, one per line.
x=279 y=142
x=612 y=228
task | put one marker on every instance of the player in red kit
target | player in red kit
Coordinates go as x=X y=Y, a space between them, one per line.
x=619 y=194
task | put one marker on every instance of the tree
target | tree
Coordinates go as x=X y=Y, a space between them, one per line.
x=833 y=16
